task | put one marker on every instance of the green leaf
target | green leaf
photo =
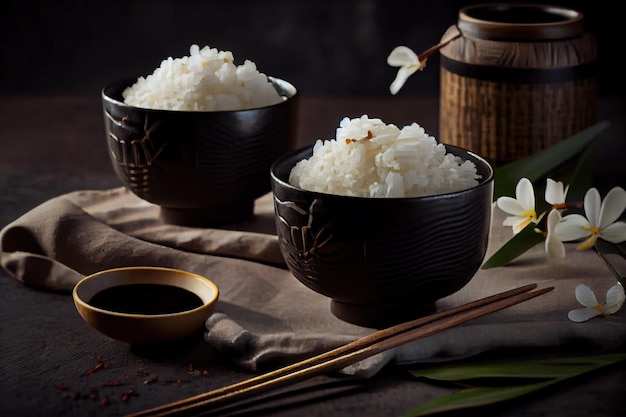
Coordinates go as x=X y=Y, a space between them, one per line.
x=539 y=165
x=581 y=177
x=548 y=371
x=476 y=397
x=516 y=246
x=535 y=368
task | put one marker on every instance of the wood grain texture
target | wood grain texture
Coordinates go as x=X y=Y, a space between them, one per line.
x=506 y=100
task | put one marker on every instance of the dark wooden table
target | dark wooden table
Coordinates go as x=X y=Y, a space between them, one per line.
x=55 y=144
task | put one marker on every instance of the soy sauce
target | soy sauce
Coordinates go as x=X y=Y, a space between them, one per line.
x=146 y=299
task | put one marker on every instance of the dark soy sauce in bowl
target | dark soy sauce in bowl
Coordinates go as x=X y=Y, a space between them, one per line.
x=148 y=299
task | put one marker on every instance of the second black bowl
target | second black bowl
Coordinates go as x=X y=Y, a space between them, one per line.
x=382 y=260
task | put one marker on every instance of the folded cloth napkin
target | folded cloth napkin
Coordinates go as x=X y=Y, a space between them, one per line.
x=265 y=317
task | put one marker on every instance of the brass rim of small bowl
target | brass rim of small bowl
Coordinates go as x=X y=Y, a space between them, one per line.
x=205 y=304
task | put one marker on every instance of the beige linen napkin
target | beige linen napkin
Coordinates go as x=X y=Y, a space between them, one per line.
x=264 y=316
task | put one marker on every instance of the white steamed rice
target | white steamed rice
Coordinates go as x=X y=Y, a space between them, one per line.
x=206 y=80
x=369 y=158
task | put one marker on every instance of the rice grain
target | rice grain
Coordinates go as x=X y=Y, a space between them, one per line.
x=369 y=158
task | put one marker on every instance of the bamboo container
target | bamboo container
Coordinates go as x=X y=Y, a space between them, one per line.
x=519 y=78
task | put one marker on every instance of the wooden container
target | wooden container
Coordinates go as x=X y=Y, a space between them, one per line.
x=519 y=79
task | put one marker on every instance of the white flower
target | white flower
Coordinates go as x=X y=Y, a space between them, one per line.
x=556 y=193
x=522 y=207
x=554 y=246
x=600 y=222
x=407 y=60
x=614 y=300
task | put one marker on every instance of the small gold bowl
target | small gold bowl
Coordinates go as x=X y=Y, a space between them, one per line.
x=141 y=305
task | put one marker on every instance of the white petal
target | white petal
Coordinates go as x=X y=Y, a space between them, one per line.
x=572 y=227
x=402 y=56
x=554 y=218
x=582 y=314
x=521 y=225
x=592 y=206
x=525 y=194
x=510 y=205
x=585 y=296
x=512 y=221
x=554 y=192
x=403 y=74
x=612 y=207
x=554 y=246
x=615 y=232
x=615 y=298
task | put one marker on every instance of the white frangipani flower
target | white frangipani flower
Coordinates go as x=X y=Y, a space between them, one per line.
x=600 y=222
x=614 y=300
x=408 y=61
x=522 y=207
x=554 y=246
x=556 y=193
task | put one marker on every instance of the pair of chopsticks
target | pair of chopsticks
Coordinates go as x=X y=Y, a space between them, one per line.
x=348 y=354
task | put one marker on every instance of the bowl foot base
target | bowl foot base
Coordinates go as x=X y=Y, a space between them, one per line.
x=379 y=316
x=208 y=217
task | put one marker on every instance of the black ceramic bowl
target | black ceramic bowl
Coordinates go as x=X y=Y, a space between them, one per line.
x=382 y=260
x=203 y=168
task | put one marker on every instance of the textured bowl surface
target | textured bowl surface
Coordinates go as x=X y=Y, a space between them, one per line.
x=382 y=261
x=202 y=168
x=145 y=328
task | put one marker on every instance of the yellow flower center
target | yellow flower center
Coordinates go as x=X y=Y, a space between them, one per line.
x=530 y=214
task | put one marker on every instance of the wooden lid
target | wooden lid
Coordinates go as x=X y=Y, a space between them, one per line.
x=519 y=21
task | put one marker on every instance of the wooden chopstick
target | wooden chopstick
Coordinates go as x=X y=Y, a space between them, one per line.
x=350 y=353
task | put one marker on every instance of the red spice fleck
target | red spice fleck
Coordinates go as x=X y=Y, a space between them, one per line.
x=100 y=364
x=95 y=368
x=113 y=383
x=368 y=137
x=129 y=393
x=105 y=401
x=61 y=386
x=205 y=372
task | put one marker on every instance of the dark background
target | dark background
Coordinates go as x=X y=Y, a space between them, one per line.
x=322 y=46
